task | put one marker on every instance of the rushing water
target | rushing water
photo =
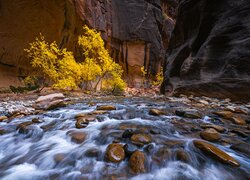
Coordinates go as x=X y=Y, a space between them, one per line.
x=32 y=155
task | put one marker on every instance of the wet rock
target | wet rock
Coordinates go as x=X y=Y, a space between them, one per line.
x=23 y=127
x=192 y=114
x=77 y=136
x=115 y=153
x=239 y=132
x=129 y=149
x=98 y=112
x=59 y=157
x=2 y=118
x=49 y=126
x=141 y=139
x=84 y=120
x=3 y=131
x=181 y=155
x=106 y=108
x=215 y=153
x=210 y=134
x=161 y=156
x=36 y=120
x=224 y=114
x=149 y=148
x=55 y=104
x=155 y=131
x=137 y=162
x=93 y=153
x=242 y=147
x=156 y=112
x=238 y=120
x=216 y=127
x=127 y=133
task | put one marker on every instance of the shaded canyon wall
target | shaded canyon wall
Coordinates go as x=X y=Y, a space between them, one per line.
x=209 y=51
x=136 y=31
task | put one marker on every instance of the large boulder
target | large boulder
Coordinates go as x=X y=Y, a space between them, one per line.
x=209 y=52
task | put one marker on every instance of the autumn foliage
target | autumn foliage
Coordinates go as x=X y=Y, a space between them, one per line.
x=59 y=67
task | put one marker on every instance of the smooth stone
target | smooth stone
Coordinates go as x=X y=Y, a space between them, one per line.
x=161 y=155
x=156 y=112
x=215 y=153
x=115 y=153
x=55 y=104
x=105 y=108
x=141 y=139
x=238 y=121
x=137 y=162
x=36 y=120
x=129 y=149
x=2 y=118
x=23 y=127
x=242 y=147
x=77 y=136
x=181 y=155
x=224 y=114
x=59 y=157
x=127 y=133
x=192 y=114
x=93 y=153
x=240 y=133
x=210 y=134
x=216 y=127
x=50 y=97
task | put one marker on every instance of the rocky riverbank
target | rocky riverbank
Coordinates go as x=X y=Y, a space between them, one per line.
x=125 y=137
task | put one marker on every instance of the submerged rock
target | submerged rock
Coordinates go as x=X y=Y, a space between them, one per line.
x=23 y=127
x=156 y=112
x=238 y=120
x=215 y=153
x=77 y=136
x=224 y=114
x=210 y=134
x=242 y=147
x=115 y=153
x=192 y=114
x=141 y=139
x=105 y=108
x=216 y=127
x=181 y=155
x=137 y=162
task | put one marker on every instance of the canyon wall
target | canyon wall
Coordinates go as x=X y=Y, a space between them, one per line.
x=209 y=50
x=136 y=32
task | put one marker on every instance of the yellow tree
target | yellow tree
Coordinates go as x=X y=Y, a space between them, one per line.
x=94 y=51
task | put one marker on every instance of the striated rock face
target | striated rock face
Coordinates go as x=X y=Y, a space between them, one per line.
x=209 y=50
x=136 y=31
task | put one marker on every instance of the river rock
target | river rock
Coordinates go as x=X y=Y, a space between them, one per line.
x=161 y=155
x=36 y=120
x=216 y=127
x=105 y=108
x=59 y=157
x=141 y=139
x=77 y=136
x=83 y=120
x=224 y=114
x=238 y=120
x=129 y=149
x=127 y=133
x=210 y=134
x=181 y=155
x=115 y=153
x=2 y=118
x=192 y=114
x=50 y=97
x=23 y=127
x=137 y=162
x=2 y=131
x=242 y=147
x=156 y=112
x=215 y=153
